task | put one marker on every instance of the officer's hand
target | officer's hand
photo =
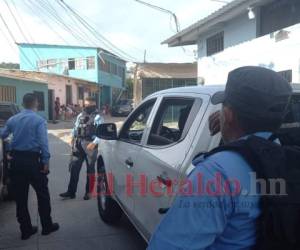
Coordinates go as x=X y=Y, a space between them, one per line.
x=9 y=157
x=45 y=169
x=214 y=123
x=91 y=146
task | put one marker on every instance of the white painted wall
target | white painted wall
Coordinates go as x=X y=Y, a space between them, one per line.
x=263 y=51
x=239 y=29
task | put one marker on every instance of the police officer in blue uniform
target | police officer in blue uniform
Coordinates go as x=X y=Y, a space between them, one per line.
x=85 y=148
x=30 y=165
x=254 y=103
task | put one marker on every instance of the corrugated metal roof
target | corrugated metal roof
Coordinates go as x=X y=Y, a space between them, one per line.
x=225 y=13
x=10 y=74
x=68 y=46
x=36 y=76
x=167 y=70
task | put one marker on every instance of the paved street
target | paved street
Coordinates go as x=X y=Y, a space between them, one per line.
x=81 y=227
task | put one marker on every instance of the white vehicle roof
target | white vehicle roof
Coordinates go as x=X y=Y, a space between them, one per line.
x=209 y=90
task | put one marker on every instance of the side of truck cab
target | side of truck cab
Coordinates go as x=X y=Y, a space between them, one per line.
x=143 y=164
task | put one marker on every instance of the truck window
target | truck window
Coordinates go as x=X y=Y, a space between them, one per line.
x=134 y=128
x=170 y=121
x=289 y=133
x=5 y=113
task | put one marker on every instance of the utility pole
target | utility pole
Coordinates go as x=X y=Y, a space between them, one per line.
x=135 y=87
x=162 y=10
x=145 y=54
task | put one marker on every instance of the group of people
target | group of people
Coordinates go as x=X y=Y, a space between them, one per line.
x=65 y=112
x=254 y=105
x=29 y=160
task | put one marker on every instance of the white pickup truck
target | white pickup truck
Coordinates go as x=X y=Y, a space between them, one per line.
x=154 y=150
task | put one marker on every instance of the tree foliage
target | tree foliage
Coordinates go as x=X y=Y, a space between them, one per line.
x=9 y=65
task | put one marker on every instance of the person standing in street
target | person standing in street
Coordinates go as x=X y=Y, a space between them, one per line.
x=57 y=108
x=84 y=148
x=29 y=157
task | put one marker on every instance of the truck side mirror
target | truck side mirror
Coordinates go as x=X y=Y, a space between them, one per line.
x=107 y=131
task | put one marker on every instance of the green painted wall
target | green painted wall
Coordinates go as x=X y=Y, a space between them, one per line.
x=23 y=87
x=105 y=95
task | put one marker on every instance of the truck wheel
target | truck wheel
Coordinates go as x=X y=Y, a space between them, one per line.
x=109 y=210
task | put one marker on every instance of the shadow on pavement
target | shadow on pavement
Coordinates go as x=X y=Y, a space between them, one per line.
x=80 y=224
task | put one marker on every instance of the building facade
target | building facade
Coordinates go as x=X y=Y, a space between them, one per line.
x=70 y=90
x=246 y=32
x=86 y=63
x=153 y=77
x=13 y=88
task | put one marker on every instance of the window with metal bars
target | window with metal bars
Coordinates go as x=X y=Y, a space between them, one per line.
x=215 y=44
x=41 y=100
x=7 y=94
x=90 y=62
x=79 y=63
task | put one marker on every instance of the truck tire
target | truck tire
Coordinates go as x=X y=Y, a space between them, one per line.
x=109 y=210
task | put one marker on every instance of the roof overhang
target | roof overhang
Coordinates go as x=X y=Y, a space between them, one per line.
x=190 y=35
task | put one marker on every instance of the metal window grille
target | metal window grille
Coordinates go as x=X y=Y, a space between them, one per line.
x=51 y=63
x=287 y=74
x=90 y=62
x=71 y=63
x=79 y=63
x=41 y=100
x=215 y=44
x=42 y=64
x=113 y=69
x=7 y=94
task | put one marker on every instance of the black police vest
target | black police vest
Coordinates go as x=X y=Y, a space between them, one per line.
x=87 y=129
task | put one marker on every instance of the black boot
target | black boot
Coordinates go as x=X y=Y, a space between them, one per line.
x=27 y=235
x=54 y=227
x=86 y=197
x=67 y=195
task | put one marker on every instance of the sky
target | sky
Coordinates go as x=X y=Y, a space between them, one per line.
x=130 y=26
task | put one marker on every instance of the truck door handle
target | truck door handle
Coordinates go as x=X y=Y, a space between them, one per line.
x=164 y=180
x=129 y=163
x=163 y=210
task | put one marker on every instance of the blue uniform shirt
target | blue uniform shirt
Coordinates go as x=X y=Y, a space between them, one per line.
x=97 y=121
x=211 y=220
x=29 y=132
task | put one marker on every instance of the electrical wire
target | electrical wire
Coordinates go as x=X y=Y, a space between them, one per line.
x=74 y=29
x=41 y=17
x=22 y=21
x=21 y=30
x=41 y=14
x=77 y=24
x=139 y=50
x=54 y=17
x=96 y=45
x=9 y=42
x=13 y=38
x=96 y=34
x=172 y=14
